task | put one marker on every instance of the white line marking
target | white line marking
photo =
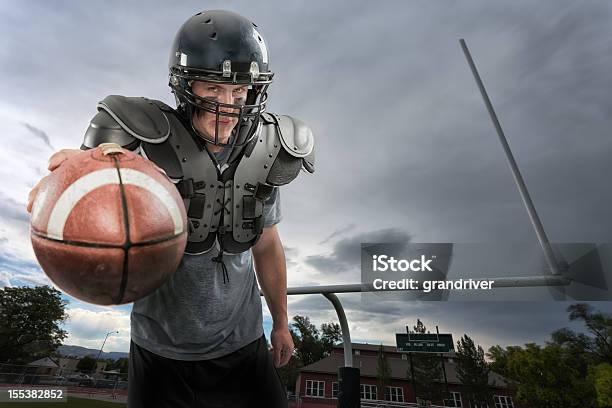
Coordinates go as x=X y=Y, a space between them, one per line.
x=83 y=186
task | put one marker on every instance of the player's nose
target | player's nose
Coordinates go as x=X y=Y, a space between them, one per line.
x=226 y=97
x=227 y=109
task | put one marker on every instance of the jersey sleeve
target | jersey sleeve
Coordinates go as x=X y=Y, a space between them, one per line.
x=272 y=209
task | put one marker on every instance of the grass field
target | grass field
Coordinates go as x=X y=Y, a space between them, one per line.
x=72 y=403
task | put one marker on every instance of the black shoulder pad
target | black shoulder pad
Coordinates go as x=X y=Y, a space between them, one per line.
x=284 y=169
x=140 y=117
x=104 y=129
x=163 y=155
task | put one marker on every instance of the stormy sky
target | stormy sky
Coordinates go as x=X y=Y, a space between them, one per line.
x=405 y=148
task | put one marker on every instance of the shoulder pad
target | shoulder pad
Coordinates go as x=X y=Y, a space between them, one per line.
x=140 y=117
x=309 y=162
x=295 y=136
x=104 y=129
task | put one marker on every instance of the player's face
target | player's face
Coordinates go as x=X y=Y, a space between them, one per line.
x=205 y=122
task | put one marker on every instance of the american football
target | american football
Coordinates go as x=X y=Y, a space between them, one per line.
x=108 y=227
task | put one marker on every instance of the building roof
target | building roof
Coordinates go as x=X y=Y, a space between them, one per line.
x=44 y=362
x=400 y=369
x=376 y=347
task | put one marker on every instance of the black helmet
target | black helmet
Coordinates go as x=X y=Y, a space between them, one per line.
x=221 y=47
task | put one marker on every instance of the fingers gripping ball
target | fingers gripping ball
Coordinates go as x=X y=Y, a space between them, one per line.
x=107 y=227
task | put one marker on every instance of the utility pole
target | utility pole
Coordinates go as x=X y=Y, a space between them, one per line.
x=100 y=352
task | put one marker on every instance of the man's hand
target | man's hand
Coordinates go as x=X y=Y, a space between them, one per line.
x=55 y=161
x=282 y=346
x=60 y=156
x=272 y=276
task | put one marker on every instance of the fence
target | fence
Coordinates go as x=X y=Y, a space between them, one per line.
x=84 y=383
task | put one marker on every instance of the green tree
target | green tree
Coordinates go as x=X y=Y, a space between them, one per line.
x=575 y=362
x=597 y=346
x=330 y=335
x=383 y=372
x=307 y=341
x=543 y=371
x=500 y=359
x=30 y=319
x=419 y=327
x=602 y=380
x=428 y=376
x=311 y=345
x=473 y=370
x=120 y=364
x=87 y=364
x=427 y=379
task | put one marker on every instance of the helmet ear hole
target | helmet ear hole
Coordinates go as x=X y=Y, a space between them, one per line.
x=251 y=96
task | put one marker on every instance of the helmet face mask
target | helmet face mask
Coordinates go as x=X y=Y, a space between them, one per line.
x=221 y=47
x=245 y=112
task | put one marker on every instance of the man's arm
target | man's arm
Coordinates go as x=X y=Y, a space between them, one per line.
x=271 y=272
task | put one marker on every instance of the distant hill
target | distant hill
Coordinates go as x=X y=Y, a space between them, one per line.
x=78 y=351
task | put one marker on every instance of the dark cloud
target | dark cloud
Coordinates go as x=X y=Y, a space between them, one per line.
x=40 y=134
x=424 y=153
x=346 y=252
x=337 y=233
x=403 y=139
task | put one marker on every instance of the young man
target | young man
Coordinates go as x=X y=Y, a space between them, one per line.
x=198 y=340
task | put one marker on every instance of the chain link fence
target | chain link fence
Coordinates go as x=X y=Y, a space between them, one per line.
x=29 y=375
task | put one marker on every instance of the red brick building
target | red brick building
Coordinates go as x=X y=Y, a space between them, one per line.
x=317 y=384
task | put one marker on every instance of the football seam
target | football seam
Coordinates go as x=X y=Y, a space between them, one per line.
x=93 y=245
x=127 y=244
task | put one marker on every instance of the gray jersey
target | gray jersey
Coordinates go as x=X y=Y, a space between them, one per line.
x=195 y=315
